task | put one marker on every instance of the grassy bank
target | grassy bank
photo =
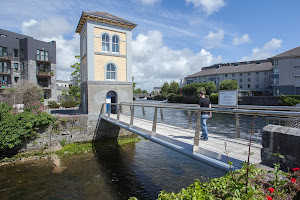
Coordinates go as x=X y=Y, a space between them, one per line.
x=74 y=148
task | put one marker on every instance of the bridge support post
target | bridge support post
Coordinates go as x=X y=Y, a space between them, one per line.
x=143 y=109
x=109 y=109
x=131 y=115
x=237 y=125
x=154 y=121
x=190 y=119
x=119 y=112
x=161 y=116
x=197 y=132
x=102 y=109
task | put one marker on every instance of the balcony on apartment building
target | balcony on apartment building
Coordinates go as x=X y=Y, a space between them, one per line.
x=5 y=70
x=43 y=58
x=44 y=85
x=6 y=57
x=44 y=72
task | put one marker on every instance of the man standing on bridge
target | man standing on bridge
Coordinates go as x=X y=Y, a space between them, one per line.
x=204 y=102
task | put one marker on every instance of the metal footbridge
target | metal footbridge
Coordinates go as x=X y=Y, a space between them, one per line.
x=216 y=151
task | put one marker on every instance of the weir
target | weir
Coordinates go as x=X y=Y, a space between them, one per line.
x=217 y=151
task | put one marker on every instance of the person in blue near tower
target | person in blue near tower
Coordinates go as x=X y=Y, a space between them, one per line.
x=204 y=102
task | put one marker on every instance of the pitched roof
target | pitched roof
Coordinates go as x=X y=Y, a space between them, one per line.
x=252 y=67
x=104 y=18
x=290 y=53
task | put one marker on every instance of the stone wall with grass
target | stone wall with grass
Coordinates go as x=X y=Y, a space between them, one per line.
x=74 y=128
x=283 y=140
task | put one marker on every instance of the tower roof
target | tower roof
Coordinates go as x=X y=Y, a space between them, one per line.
x=104 y=18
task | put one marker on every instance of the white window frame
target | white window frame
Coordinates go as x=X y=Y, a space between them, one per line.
x=105 y=43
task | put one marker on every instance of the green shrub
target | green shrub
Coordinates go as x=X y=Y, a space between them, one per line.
x=160 y=97
x=178 y=98
x=63 y=142
x=70 y=102
x=192 y=89
x=288 y=100
x=214 y=98
x=169 y=97
x=53 y=104
x=19 y=128
x=35 y=107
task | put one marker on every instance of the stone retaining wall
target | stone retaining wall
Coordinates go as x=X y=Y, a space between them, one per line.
x=79 y=128
x=288 y=141
x=259 y=100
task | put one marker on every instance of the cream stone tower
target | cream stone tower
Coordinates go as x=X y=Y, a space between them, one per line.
x=106 y=60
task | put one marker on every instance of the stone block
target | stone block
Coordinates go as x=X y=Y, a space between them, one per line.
x=283 y=140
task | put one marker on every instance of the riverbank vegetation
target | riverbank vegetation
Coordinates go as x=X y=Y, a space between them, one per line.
x=18 y=128
x=73 y=148
x=233 y=186
x=189 y=93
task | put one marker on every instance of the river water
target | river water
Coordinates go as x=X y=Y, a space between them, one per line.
x=118 y=172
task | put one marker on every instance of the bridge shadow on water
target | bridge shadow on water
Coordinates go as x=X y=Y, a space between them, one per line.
x=118 y=167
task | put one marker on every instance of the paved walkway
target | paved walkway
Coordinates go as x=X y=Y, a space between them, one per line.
x=214 y=147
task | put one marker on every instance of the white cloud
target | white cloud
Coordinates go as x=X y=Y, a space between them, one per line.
x=208 y=6
x=213 y=40
x=150 y=2
x=265 y=52
x=154 y=63
x=242 y=40
x=54 y=29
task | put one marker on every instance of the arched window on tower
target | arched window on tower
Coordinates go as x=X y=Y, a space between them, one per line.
x=111 y=71
x=105 y=42
x=115 y=44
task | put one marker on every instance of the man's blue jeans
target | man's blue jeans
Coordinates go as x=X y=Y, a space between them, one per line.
x=203 y=126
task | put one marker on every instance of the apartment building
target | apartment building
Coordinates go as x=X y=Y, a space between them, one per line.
x=23 y=58
x=286 y=72
x=250 y=76
x=278 y=75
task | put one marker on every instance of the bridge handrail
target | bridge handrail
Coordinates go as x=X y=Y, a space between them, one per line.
x=249 y=107
x=219 y=110
x=197 y=110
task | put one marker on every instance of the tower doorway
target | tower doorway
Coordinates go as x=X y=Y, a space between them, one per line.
x=111 y=97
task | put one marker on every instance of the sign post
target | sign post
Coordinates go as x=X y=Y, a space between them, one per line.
x=229 y=98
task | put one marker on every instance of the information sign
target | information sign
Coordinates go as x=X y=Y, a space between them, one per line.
x=228 y=98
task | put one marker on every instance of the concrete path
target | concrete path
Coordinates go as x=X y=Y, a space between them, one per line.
x=214 y=147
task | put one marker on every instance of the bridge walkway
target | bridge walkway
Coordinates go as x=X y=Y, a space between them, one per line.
x=214 y=147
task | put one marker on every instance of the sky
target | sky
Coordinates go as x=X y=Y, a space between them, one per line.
x=173 y=38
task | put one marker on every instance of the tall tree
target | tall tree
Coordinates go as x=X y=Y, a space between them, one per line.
x=76 y=67
x=165 y=87
x=228 y=85
x=174 y=87
x=134 y=83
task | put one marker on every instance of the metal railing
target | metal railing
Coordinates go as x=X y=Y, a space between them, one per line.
x=151 y=133
x=198 y=110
